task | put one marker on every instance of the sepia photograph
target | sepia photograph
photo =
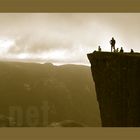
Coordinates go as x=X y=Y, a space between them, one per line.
x=69 y=70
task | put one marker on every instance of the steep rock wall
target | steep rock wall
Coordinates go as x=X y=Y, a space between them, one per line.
x=117 y=81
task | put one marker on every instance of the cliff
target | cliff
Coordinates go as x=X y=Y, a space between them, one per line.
x=117 y=81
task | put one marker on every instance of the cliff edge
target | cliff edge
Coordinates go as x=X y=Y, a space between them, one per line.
x=117 y=81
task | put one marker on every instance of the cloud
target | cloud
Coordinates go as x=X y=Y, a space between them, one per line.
x=66 y=37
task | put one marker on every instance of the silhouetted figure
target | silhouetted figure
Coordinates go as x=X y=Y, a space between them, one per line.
x=132 y=51
x=121 y=50
x=112 y=42
x=99 y=49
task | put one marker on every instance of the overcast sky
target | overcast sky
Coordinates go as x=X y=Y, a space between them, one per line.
x=65 y=38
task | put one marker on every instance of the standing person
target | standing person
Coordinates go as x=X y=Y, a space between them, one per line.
x=121 y=50
x=112 y=42
x=99 y=49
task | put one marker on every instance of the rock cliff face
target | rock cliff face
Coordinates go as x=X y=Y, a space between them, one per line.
x=117 y=81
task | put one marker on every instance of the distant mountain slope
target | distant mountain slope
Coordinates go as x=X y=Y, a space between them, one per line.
x=67 y=89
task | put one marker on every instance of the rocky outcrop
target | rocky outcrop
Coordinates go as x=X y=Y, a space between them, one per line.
x=117 y=81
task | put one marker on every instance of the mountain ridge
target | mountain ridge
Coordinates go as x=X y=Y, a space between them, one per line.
x=68 y=89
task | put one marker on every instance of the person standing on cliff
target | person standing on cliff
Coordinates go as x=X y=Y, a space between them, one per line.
x=112 y=42
x=99 y=49
x=121 y=50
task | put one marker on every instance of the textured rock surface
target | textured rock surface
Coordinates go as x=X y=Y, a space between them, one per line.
x=117 y=81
